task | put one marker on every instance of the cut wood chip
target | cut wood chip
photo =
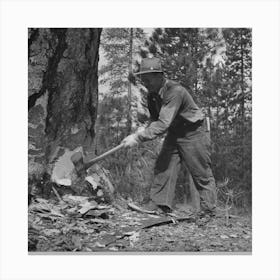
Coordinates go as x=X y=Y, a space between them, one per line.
x=102 y=207
x=223 y=236
x=75 y=199
x=134 y=237
x=63 y=182
x=99 y=245
x=50 y=232
x=92 y=181
x=113 y=248
x=90 y=205
x=44 y=209
x=169 y=240
x=246 y=236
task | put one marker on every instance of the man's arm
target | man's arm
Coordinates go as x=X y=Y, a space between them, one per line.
x=153 y=109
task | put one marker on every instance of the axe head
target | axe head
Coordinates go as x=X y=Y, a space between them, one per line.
x=78 y=161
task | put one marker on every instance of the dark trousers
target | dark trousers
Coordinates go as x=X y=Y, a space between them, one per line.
x=190 y=148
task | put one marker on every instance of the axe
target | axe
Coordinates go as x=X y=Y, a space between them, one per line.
x=81 y=166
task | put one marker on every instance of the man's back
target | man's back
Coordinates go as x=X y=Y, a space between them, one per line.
x=187 y=108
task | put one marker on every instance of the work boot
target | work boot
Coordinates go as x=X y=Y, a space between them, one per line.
x=152 y=206
x=165 y=209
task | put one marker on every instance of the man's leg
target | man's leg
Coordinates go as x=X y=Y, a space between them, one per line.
x=165 y=174
x=195 y=151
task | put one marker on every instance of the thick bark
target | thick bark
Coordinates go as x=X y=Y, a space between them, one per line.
x=33 y=35
x=50 y=73
x=63 y=92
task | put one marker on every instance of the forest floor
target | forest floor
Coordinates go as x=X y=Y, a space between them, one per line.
x=80 y=225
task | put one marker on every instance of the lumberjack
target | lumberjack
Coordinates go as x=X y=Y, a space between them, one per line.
x=173 y=110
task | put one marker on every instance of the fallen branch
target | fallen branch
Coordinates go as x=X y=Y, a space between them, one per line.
x=166 y=220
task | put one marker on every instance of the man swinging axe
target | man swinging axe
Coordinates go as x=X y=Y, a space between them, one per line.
x=173 y=110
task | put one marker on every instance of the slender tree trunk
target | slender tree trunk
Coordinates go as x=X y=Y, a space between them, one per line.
x=129 y=94
x=242 y=102
x=217 y=118
x=97 y=136
x=227 y=136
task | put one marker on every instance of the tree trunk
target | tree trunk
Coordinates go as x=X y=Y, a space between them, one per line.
x=63 y=93
x=242 y=104
x=129 y=95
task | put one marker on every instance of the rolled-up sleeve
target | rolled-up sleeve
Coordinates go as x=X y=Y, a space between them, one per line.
x=171 y=104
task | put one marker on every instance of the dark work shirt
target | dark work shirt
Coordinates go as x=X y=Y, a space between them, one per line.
x=170 y=107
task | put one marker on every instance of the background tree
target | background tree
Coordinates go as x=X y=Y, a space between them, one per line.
x=121 y=110
x=116 y=91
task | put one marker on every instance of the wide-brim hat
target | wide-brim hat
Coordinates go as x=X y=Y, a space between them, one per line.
x=150 y=65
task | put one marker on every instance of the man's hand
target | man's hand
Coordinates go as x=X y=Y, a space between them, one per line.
x=130 y=141
x=131 y=78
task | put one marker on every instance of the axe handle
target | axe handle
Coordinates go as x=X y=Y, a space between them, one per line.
x=207 y=124
x=93 y=161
